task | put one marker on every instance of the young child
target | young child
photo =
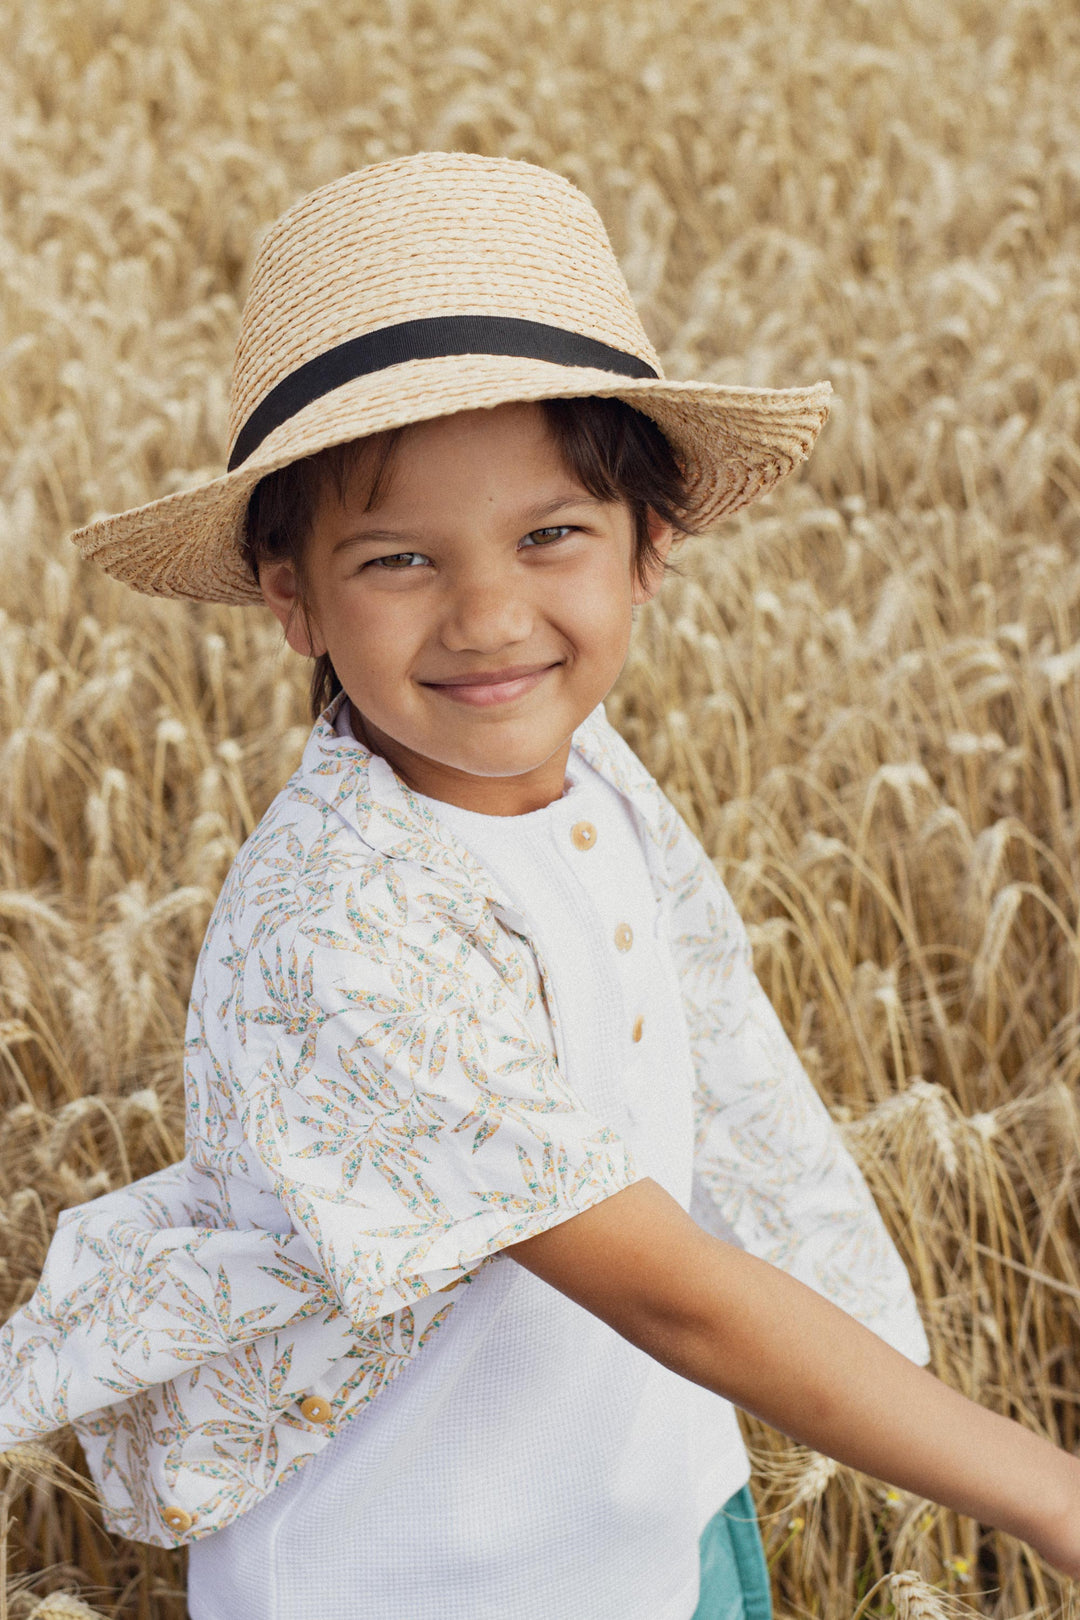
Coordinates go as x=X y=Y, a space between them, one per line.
x=501 y=1179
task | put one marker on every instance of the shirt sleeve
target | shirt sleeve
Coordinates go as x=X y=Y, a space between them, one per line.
x=771 y=1169
x=137 y=1292
x=403 y=1096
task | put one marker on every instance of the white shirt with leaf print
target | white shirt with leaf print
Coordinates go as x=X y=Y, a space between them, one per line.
x=377 y=1103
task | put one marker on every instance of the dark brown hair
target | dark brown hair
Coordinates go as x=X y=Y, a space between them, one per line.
x=614 y=452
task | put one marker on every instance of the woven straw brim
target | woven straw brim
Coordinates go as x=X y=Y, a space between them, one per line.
x=733 y=444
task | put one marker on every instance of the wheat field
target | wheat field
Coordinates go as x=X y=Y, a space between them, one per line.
x=863 y=693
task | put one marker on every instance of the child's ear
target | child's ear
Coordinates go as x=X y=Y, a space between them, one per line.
x=663 y=537
x=281 y=593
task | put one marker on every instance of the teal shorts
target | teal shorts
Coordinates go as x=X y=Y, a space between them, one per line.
x=734 y=1575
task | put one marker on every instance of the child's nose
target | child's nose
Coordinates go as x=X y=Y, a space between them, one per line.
x=485 y=615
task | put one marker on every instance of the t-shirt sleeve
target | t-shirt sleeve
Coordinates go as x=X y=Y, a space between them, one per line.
x=409 y=1111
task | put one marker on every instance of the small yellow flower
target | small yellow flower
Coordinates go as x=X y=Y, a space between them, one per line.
x=797 y=1526
x=960 y=1567
x=892 y=1497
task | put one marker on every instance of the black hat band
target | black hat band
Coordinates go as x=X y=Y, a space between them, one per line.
x=437 y=338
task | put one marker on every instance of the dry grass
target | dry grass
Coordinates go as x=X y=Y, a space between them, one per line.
x=864 y=693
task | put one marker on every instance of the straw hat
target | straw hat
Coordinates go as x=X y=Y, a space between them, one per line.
x=427 y=285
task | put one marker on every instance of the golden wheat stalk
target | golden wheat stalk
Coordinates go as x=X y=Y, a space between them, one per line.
x=864 y=694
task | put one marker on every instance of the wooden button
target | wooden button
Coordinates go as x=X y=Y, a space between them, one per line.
x=315 y=1409
x=624 y=937
x=583 y=835
x=639 y=1028
x=177 y=1519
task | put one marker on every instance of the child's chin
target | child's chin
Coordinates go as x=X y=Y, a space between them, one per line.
x=496 y=771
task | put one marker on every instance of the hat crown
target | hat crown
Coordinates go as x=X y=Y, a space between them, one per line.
x=418 y=237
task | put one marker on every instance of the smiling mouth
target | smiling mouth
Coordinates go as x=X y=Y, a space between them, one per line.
x=484 y=688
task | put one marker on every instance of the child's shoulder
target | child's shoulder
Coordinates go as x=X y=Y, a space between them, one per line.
x=298 y=848
x=345 y=852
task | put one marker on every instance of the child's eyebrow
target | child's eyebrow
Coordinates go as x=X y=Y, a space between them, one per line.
x=389 y=537
x=532 y=517
x=537 y=514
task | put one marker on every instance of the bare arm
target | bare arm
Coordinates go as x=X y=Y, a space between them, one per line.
x=739 y=1326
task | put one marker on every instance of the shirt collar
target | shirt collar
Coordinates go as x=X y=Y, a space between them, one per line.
x=364 y=790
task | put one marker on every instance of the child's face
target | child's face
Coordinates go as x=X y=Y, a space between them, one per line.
x=477 y=613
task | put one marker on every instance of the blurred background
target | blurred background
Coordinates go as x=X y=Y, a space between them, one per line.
x=863 y=692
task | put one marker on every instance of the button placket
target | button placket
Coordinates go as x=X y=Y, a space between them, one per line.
x=582 y=832
x=627 y=963
x=633 y=915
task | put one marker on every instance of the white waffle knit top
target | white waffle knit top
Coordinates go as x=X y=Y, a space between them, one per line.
x=531 y=1462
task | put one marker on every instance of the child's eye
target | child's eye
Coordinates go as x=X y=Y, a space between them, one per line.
x=399 y=560
x=544 y=537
